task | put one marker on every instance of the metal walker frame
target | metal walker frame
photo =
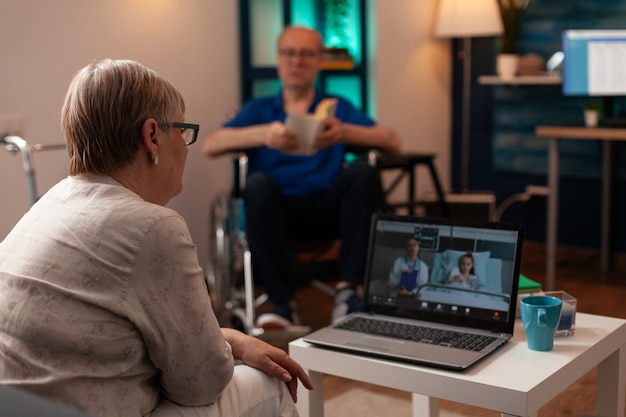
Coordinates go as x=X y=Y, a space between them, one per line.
x=15 y=144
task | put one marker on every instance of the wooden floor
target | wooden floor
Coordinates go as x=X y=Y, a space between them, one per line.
x=578 y=273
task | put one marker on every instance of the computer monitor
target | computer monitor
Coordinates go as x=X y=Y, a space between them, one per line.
x=594 y=63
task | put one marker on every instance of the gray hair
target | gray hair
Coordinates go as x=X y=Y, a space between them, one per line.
x=104 y=110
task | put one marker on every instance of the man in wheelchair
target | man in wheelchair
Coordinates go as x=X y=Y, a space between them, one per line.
x=313 y=195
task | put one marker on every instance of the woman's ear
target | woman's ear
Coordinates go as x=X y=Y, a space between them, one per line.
x=150 y=135
x=151 y=140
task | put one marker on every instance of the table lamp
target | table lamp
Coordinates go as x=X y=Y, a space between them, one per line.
x=467 y=19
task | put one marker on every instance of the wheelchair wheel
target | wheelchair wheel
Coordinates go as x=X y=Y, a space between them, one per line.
x=225 y=273
x=219 y=277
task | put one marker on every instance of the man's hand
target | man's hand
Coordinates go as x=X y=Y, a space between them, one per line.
x=280 y=138
x=332 y=133
x=273 y=361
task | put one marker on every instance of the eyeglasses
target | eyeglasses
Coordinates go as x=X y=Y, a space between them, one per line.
x=188 y=130
x=304 y=54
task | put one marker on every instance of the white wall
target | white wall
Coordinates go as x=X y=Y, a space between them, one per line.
x=413 y=80
x=194 y=44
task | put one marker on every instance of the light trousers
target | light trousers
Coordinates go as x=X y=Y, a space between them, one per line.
x=250 y=393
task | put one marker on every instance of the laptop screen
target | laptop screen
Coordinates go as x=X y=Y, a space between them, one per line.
x=450 y=271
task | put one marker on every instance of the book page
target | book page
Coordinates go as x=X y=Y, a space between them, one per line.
x=307 y=127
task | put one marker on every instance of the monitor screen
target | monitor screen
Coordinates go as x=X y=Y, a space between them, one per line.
x=594 y=62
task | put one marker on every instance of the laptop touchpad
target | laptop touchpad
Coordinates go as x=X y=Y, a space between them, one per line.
x=376 y=342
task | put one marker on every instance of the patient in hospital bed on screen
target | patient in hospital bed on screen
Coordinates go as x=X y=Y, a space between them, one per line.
x=408 y=272
x=463 y=275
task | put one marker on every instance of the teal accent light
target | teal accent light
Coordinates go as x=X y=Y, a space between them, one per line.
x=303 y=13
x=341 y=22
x=341 y=18
x=346 y=87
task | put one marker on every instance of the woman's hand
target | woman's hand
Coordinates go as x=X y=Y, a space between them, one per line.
x=403 y=291
x=273 y=361
x=458 y=279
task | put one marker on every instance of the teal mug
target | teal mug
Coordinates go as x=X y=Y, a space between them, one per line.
x=540 y=316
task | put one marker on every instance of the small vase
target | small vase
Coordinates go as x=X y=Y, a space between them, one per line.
x=506 y=66
x=591 y=118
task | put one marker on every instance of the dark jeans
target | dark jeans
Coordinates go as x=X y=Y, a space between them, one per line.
x=343 y=212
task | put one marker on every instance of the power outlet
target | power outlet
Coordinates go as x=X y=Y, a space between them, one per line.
x=12 y=124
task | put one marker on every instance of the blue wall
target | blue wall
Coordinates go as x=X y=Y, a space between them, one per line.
x=506 y=156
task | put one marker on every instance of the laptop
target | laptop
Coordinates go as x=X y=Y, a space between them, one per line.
x=439 y=319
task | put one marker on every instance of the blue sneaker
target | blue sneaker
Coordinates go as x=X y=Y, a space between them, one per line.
x=347 y=301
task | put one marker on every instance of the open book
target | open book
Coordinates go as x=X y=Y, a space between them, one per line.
x=308 y=126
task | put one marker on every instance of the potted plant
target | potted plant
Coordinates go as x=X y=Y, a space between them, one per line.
x=336 y=54
x=592 y=109
x=335 y=17
x=512 y=12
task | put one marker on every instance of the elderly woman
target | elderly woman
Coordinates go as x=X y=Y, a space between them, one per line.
x=103 y=304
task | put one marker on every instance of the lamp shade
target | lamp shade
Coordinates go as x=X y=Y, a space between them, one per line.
x=468 y=19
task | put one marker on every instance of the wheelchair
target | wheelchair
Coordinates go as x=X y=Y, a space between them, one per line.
x=230 y=278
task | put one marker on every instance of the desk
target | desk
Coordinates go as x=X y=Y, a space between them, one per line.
x=407 y=163
x=555 y=134
x=515 y=380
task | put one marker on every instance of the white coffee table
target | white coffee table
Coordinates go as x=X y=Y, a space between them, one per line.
x=515 y=381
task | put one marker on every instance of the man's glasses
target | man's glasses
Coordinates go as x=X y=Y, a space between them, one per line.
x=188 y=130
x=304 y=54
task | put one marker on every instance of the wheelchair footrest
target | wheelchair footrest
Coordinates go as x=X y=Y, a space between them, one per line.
x=283 y=336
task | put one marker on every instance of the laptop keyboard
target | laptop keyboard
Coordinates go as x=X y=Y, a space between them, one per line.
x=416 y=333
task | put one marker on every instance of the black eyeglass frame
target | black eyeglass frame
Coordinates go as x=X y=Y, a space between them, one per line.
x=194 y=127
x=303 y=54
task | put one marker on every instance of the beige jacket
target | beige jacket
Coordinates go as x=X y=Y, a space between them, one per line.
x=103 y=304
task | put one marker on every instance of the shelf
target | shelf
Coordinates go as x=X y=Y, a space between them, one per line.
x=521 y=80
x=338 y=65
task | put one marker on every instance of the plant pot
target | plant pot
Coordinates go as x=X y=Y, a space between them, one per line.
x=507 y=65
x=592 y=118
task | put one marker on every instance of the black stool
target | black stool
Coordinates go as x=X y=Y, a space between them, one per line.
x=407 y=164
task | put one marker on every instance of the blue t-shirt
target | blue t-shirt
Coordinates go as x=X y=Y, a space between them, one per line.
x=297 y=175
